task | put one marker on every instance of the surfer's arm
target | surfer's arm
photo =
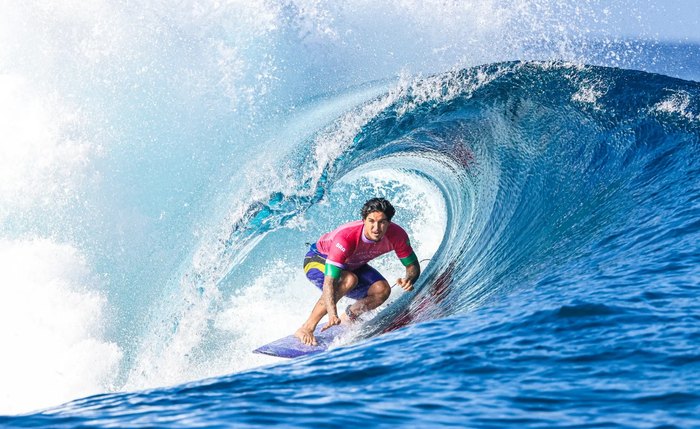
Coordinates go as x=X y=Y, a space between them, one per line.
x=330 y=286
x=412 y=274
x=408 y=258
x=405 y=253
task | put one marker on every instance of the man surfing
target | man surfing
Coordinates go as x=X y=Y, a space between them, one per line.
x=337 y=264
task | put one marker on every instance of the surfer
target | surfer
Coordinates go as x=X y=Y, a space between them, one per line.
x=337 y=264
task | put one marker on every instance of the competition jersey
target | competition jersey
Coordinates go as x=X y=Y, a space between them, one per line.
x=347 y=247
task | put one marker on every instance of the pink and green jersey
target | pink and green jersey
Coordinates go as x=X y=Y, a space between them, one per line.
x=347 y=248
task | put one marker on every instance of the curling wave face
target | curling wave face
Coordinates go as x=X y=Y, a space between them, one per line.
x=533 y=169
x=543 y=167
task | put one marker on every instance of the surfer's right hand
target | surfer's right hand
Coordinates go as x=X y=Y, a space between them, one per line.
x=332 y=320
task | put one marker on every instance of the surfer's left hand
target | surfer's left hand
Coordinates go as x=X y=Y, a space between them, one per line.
x=405 y=284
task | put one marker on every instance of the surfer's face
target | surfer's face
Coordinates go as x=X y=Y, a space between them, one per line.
x=376 y=224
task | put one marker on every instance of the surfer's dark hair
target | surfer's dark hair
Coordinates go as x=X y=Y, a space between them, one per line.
x=378 y=205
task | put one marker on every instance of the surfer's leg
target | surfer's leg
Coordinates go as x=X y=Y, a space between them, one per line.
x=305 y=333
x=371 y=291
x=348 y=281
x=377 y=293
x=314 y=267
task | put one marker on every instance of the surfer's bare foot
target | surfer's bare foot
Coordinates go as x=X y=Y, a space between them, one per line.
x=306 y=336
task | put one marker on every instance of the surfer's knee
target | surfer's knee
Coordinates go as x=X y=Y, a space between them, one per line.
x=348 y=280
x=380 y=290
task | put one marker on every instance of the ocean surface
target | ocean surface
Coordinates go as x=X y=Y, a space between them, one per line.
x=163 y=165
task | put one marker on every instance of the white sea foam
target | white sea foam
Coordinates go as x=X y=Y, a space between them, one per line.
x=52 y=327
x=589 y=93
x=677 y=104
x=43 y=163
x=275 y=304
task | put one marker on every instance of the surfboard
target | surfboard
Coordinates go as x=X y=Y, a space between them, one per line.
x=291 y=347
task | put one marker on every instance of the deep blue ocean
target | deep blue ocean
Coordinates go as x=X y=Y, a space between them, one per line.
x=163 y=165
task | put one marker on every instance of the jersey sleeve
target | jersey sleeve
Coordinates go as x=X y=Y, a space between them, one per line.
x=402 y=247
x=339 y=252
